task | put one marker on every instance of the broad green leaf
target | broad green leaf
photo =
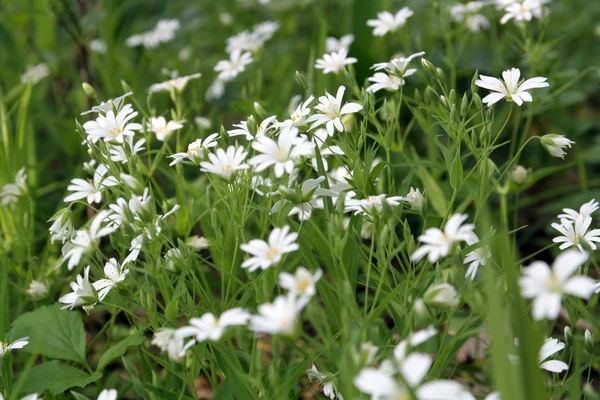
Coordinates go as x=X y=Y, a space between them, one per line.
x=118 y=349
x=57 y=377
x=52 y=333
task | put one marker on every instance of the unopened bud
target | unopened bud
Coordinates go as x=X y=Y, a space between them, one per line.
x=89 y=91
x=589 y=340
x=519 y=174
x=442 y=295
x=260 y=111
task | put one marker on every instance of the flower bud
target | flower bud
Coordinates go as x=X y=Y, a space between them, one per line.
x=555 y=144
x=429 y=67
x=477 y=101
x=464 y=105
x=260 y=111
x=519 y=174
x=89 y=91
x=589 y=340
x=132 y=182
x=302 y=80
x=37 y=290
x=568 y=336
x=442 y=295
x=252 y=126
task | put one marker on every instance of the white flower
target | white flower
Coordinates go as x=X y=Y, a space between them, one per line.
x=332 y=44
x=509 y=87
x=203 y=122
x=442 y=295
x=173 y=85
x=117 y=151
x=85 y=240
x=265 y=30
x=546 y=286
x=302 y=283
x=331 y=110
x=555 y=144
x=83 y=294
x=371 y=205
x=197 y=242
x=115 y=274
x=37 y=290
x=162 y=128
x=551 y=346
x=399 y=66
x=208 y=327
x=388 y=22
x=33 y=396
x=415 y=198
x=229 y=69
x=108 y=394
x=383 y=81
x=225 y=163
x=469 y=13
x=477 y=257
x=195 y=152
x=575 y=233
x=98 y=46
x=35 y=73
x=165 y=339
x=134 y=249
x=278 y=317
x=110 y=104
x=164 y=31
x=111 y=127
x=265 y=126
x=244 y=41
x=17 y=344
x=91 y=191
x=12 y=191
x=586 y=210
x=523 y=10
x=327 y=383
x=414 y=339
x=215 y=90
x=282 y=154
x=438 y=243
x=335 y=61
x=381 y=384
x=299 y=116
x=173 y=257
x=267 y=254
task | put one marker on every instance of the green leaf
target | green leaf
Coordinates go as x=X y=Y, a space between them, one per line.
x=456 y=171
x=78 y=396
x=52 y=333
x=57 y=377
x=119 y=349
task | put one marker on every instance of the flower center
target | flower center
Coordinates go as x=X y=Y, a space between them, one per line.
x=115 y=131
x=227 y=169
x=272 y=254
x=303 y=285
x=281 y=155
x=295 y=116
x=193 y=149
x=553 y=284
